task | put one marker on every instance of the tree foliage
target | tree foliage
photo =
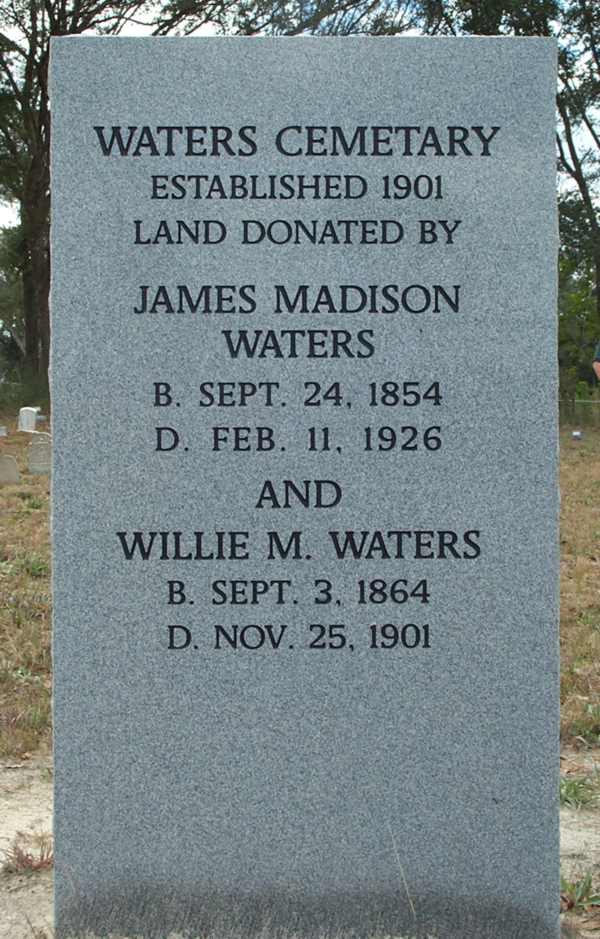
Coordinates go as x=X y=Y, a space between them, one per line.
x=25 y=30
x=27 y=25
x=578 y=332
x=576 y=26
x=12 y=340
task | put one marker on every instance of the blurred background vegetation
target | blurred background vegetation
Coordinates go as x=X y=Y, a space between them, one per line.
x=25 y=30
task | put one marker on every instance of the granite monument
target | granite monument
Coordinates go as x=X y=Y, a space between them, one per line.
x=304 y=486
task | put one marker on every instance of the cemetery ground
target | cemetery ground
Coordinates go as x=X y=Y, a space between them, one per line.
x=25 y=691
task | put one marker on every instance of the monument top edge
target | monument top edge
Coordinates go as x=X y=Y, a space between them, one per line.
x=550 y=41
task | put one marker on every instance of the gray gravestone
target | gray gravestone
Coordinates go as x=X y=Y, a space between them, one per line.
x=39 y=454
x=304 y=415
x=9 y=471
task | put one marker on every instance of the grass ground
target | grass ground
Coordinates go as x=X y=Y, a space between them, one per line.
x=25 y=661
x=25 y=665
x=580 y=588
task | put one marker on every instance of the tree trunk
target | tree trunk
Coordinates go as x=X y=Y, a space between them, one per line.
x=40 y=266
x=597 y=284
x=35 y=206
x=32 y=339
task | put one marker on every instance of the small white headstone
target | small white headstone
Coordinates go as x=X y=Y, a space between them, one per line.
x=9 y=471
x=3 y=431
x=27 y=419
x=39 y=454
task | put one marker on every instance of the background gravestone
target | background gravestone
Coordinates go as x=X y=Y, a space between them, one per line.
x=9 y=470
x=304 y=423
x=39 y=454
x=27 y=420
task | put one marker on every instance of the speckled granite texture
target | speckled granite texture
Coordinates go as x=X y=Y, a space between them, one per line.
x=351 y=789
